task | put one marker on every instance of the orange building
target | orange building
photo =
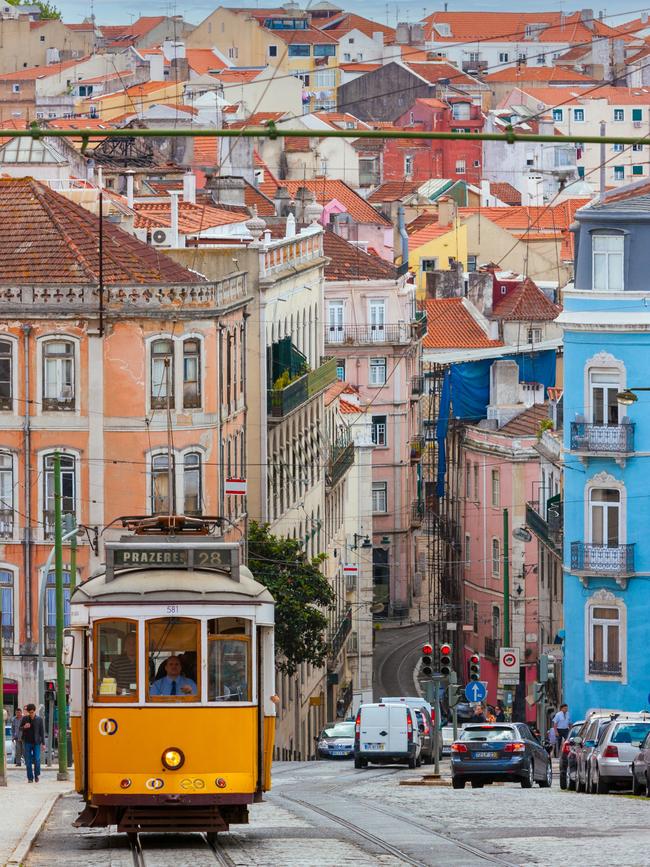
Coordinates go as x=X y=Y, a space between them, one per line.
x=100 y=376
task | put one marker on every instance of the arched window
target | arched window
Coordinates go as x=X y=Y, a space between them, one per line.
x=68 y=490
x=160 y=487
x=50 y=609
x=605 y=637
x=7 y=599
x=162 y=374
x=6 y=374
x=58 y=375
x=6 y=495
x=192 y=498
x=191 y=373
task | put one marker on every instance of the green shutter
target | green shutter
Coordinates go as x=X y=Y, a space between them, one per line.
x=637 y=114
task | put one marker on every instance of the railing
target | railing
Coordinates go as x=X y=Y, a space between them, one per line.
x=6 y=523
x=597 y=666
x=282 y=401
x=368 y=335
x=286 y=253
x=549 y=530
x=340 y=461
x=417 y=513
x=339 y=637
x=417 y=447
x=602 y=559
x=50 y=640
x=48 y=523
x=345 y=698
x=491 y=647
x=610 y=439
x=8 y=639
x=417 y=385
x=472 y=66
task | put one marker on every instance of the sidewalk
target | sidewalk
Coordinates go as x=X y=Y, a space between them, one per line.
x=23 y=809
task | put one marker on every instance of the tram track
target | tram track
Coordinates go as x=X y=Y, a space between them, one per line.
x=144 y=855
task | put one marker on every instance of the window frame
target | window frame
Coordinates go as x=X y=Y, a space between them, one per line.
x=196 y=401
x=7 y=403
x=49 y=471
x=198 y=468
x=153 y=472
x=158 y=401
x=247 y=639
x=605 y=599
x=375 y=364
x=618 y=115
x=10 y=585
x=10 y=468
x=381 y=490
x=495 y=557
x=495 y=489
x=380 y=442
x=115 y=699
x=50 y=589
x=558 y=115
x=578 y=115
x=196 y=698
x=54 y=404
x=604 y=286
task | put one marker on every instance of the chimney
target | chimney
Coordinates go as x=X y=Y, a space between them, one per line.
x=179 y=69
x=587 y=18
x=290 y=230
x=378 y=37
x=404 y=238
x=156 y=67
x=282 y=201
x=174 y=195
x=189 y=188
x=644 y=18
x=130 y=174
x=504 y=392
x=100 y=178
x=227 y=190
x=485 y=193
x=304 y=197
x=446 y=211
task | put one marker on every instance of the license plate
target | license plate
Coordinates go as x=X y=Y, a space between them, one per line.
x=373 y=746
x=338 y=752
x=484 y=755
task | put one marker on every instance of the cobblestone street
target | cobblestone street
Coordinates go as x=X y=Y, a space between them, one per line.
x=326 y=813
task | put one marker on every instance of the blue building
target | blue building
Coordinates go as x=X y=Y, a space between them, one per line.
x=606 y=322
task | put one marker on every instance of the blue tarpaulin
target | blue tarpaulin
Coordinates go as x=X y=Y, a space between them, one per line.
x=441 y=432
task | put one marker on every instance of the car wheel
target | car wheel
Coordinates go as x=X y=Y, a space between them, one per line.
x=598 y=785
x=457 y=783
x=564 y=780
x=647 y=785
x=637 y=787
x=579 y=784
x=477 y=784
x=413 y=763
x=588 y=782
x=571 y=783
x=358 y=763
x=529 y=777
x=547 y=782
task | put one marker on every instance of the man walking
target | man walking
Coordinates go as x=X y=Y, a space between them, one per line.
x=16 y=737
x=32 y=732
x=561 y=725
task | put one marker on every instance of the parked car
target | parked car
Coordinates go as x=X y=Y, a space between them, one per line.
x=336 y=741
x=489 y=752
x=425 y=725
x=641 y=769
x=447 y=733
x=568 y=758
x=386 y=733
x=9 y=744
x=584 y=744
x=617 y=747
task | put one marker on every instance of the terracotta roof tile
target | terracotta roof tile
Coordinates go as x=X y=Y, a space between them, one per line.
x=511 y=27
x=450 y=325
x=264 y=205
x=426 y=234
x=526 y=303
x=539 y=73
x=433 y=71
x=393 y=191
x=206 y=152
x=191 y=218
x=269 y=184
x=350 y=408
x=334 y=391
x=258 y=118
x=553 y=96
x=349 y=262
x=359 y=67
x=46 y=238
x=203 y=60
x=526 y=424
x=297 y=145
x=312 y=36
x=342 y=24
x=34 y=72
x=506 y=193
x=426 y=218
x=327 y=189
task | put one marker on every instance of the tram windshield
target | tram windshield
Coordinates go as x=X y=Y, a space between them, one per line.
x=116 y=665
x=229 y=654
x=173 y=654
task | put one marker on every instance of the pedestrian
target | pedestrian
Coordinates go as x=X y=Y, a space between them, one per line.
x=16 y=737
x=32 y=732
x=561 y=725
x=489 y=714
x=499 y=712
x=478 y=716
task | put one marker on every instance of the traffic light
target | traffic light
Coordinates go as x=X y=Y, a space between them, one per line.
x=475 y=667
x=550 y=666
x=546 y=667
x=445 y=660
x=455 y=694
x=538 y=691
x=427 y=652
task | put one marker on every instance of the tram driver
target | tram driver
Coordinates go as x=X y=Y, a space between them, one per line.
x=173 y=682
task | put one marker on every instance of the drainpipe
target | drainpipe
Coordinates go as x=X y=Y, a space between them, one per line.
x=401 y=226
x=27 y=452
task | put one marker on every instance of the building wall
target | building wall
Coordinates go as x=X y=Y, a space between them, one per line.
x=454 y=244
x=22 y=46
x=238 y=37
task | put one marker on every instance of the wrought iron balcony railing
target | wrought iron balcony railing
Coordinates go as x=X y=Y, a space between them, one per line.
x=341 y=460
x=369 y=335
x=602 y=439
x=8 y=639
x=282 y=401
x=612 y=560
x=417 y=385
x=549 y=530
x=6 y=523
x=48 y=522
x=339 y=637
x=598 y=666
x=417 y=513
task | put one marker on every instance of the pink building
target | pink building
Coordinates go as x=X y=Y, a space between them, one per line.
x=500 y=470
x=374 y=332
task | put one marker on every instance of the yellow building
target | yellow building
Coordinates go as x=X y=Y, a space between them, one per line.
x=132 y=100
x=433 y=247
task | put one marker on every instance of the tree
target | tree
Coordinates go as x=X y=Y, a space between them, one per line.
x=302 y=594
x=48 y=10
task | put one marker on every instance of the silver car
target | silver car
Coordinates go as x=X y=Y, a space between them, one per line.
x=617 y=747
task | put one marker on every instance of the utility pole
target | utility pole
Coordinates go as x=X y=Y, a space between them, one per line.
x=506 y=583
x=69 y=527
x=60 y=614
x=3 y=757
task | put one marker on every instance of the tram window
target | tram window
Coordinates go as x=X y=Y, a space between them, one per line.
x=116 y=660
x=229 y=663
x=173 y=652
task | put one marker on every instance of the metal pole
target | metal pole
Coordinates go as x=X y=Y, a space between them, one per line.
x=60 y=615
x=100 y=251
x=506 y=583
x=3 y=757
x=436 y=728
x=73 y=550
x=453 y=678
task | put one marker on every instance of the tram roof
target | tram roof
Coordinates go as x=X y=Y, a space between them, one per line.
x=153 y=585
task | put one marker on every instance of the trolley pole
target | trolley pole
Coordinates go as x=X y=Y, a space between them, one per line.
x=60 y=615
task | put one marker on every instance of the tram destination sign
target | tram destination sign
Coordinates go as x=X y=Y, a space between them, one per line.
x=136 y=555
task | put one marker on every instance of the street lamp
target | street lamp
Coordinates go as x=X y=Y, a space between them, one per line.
x=628 y=396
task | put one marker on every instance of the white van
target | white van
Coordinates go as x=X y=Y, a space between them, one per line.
x=386 y=733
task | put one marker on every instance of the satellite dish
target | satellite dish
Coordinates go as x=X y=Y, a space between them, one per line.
x=522 y=534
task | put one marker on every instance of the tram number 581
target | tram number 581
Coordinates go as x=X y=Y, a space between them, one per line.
x=173 y=609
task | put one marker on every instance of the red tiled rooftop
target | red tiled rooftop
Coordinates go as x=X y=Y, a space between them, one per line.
x=427 y=233
x=450 y=325
x=538 y=73
x=349 y=262
x=34 y=72
x=312 y=36
x=526 y=303
x=340 y=25
x=527 y=423
x=269 y=184
x=511 y=27
x=326 y=189
x=203 y=60
x=258 y=118
x=191 y=217
x=433 y=71
x=505 y=192
x=393 y=191
x=295 y=145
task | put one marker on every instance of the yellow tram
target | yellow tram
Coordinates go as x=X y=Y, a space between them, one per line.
x=171 y=660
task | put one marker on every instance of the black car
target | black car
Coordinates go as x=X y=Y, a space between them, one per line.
x=568 y=765
x=495 y=752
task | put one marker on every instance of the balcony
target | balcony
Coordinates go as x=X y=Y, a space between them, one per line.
x=48 y=522
x=372 y=335
x=8 y=640
x=602 y=561
x=290 y=253
x=597 y=440
x=417 y=386
x=491 y=648
x=282 y=401
x=611 y=669
x=417 y=448
x=6 y=523
x=417 y=513
x=339 y=637
x=50 y=641
x=474 y=66
x=549 y=530
x=341 y=459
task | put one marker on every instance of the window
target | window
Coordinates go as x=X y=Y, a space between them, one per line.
x=605 y=640
x=604 y=386
x=468 y=480
x=160 y=484
x=162 y=374
x=68 y=490
x=475 y=617
x=324 y=50
x=6 y=374
x=299 y=51
x=325 y=78
x=496 y=622
x=619 y=173
x=377 y=371
x=617 y=148
x=476 y=472
x=192 y=498
x=619 y=114
x=7 y=609
x=472 y=262
x=172 y=647
x=380 y=497
x=607 y=255
x=233 y=53
x=15 y=88
x=50 y=609
x=637 y=114
x=496 y=486
x=379 y=430
x=504 y=57
x=474 y=56
x=541 y=59
x=635 y=147
x=496 y=558
x=428 y=265
x=273 y=50
x=116 y=660
x=558 y=115
x=6 y=495
x=408 y=165
x=58 y=375
x=468 y=550
x=461 y=110
x=637 y=170
x=229 y=659
x=605 y=511
x=340 y=369
x=579 y=115
x=191 y=373
x=534 y=335
x=377 y=315
x=460 y=167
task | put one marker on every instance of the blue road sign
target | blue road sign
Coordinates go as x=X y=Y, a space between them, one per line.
x=475 y=691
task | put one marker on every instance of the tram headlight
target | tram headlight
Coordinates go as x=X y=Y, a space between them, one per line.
x=173 y=759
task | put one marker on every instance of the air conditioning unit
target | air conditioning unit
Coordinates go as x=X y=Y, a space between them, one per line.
x=637 y=124
x=161 y=237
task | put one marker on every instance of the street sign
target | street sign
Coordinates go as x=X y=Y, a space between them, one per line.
x=235 y=486
x=476 y=691
x=351 y=569
x=509 y=665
